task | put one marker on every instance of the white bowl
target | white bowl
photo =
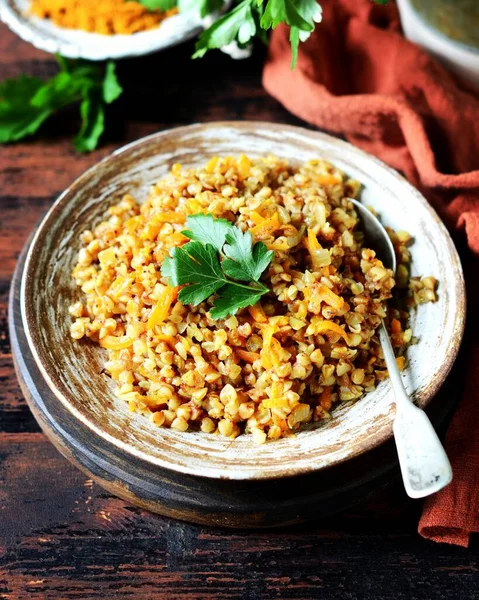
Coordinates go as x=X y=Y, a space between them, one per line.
x=73 y=371
x=459 y=58
x=74 y=43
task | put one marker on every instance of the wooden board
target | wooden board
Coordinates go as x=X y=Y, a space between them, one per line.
x=197 y=499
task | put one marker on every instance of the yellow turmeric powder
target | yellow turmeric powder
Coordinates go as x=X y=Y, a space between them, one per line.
x=107 y=17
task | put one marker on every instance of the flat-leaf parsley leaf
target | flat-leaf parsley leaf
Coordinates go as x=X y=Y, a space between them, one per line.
x=242 y=20
x=238 y=24
x=196 y=264
x=219 y=256
x=232 y=298
x=245 y=261
x=207 y=229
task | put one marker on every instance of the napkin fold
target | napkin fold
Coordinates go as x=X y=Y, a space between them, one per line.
x=359 y=77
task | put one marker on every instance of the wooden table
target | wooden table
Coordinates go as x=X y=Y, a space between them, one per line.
x=61 y=536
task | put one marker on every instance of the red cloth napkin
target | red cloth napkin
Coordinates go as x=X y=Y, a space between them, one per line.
x=359 y=77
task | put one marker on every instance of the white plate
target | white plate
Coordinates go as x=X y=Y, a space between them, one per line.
x=74 y=43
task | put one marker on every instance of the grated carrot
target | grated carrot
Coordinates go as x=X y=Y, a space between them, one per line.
x=325 y=398
x=256 y=217
x=106 y=17
x=327 y=179
x=169 y=216
x=169 y=339
x=275 y=403
x=257 y=312
x=244 y=166
x=267 y=226
x=276 y=351
x=276 y=399
x=162 y=307
x=211 y=164
x=323 y=293
x=120 y=285
x=323 y=326
x=133 y=223
x=249 y=357
x=268 y=332
x=313 y=243
x=112 y=342
x=156 y=223
x=193 y=206
x=396 y=326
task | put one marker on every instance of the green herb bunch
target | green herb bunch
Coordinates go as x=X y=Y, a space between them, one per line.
x=220 y=259
x=247 y=19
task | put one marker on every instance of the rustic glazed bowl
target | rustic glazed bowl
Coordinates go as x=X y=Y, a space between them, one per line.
x=75 y=43
x=74 y=370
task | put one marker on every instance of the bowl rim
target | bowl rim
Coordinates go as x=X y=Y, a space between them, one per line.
x=443 y=38
x=24 y=26
x=363 y=446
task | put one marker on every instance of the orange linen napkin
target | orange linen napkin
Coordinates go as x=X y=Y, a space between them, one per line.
x=359 y=77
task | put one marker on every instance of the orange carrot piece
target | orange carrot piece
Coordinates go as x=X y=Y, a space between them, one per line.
x=327 y=179
x=267 y=227
x=330 y=326
x=162 y=307
x=325 y=398
x=249 y=357
x=396 y=326
x=112 y=342
x=257 y=312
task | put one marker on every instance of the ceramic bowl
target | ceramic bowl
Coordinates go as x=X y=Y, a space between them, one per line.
x=459 y=58
x=74 y=370
x=74 y=43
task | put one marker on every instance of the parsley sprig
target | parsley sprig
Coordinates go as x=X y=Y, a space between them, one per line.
x=247 y=19
x=26 y=102
x=219 y=259
x=252 y=18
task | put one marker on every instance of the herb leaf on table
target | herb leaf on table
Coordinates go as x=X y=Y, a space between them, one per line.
x=112 y=89
x=17 y=117
x=26 y=102
x=93 y=123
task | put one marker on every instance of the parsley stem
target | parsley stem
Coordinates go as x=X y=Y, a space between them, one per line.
x=262 y=287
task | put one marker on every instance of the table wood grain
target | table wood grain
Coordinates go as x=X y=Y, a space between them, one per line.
x=61 y=536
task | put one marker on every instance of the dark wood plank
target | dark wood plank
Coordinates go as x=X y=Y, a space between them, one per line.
x=61 y=536
x=16 y=230
x=15 y=414
x=93 y=544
